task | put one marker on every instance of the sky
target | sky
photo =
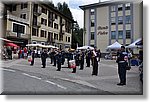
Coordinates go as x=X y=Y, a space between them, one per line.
x=76 y=11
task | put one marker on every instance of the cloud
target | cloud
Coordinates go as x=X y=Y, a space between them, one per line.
x=78 y=16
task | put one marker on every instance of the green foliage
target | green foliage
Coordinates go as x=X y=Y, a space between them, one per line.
x=64 y=9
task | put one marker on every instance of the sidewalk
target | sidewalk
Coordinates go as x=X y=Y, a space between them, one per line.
x=106 y=79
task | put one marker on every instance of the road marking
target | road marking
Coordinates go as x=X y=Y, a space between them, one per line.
x=31 y=76
x=79 y=82
x=9 y=70
x=60 y=86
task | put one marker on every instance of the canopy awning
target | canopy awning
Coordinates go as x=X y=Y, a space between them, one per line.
x=85 y=48
x=3 y=39
x=11 y=44
x=133 y=45
x=115 y=45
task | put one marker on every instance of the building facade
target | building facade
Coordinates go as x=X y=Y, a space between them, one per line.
x=38 y=22
x=110 y=21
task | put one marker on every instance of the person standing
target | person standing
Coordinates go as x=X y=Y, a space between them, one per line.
x=55 y=56
x=88 y=57
x=122 y=63
x=95 y=62
x=59 y=61
x=43 y=58
x=33 y=56
x=81 y=59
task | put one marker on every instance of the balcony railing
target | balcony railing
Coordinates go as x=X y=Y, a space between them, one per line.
x=10 y=16
x=13 y=34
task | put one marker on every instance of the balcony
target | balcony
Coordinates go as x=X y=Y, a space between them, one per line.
x=15 y=18
x=15 y=35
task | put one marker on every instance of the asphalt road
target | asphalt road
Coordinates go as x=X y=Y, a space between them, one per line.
x=21 y=78
x=19 y=82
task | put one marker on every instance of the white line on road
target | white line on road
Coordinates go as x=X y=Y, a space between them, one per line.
x=60 y=86
x=31 y=76
x=9 y=70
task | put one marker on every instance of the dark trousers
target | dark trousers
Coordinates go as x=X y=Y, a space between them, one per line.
x=95 y=68
x=122 y=72
x=32 y=62
x=74 y=70
x=59 y=66
x=43 y=63
x=88 y=62
x=54 y=61
x=81 y=65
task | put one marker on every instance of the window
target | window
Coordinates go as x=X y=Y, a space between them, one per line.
x=113 y=34
x=120 y=7
x=42 y=33
x=23 y=16
x=50 y=24
x=92 y=23
x=128 y=19
x=113 y=8
x=120 y=20
x=44 y=10
x=14 y=8
x=92 y=11
x=24 y=5
x=44 y=21
x=120 y=34
x=128 y=34
x=45 y=34
x=18 y=28
x=68 y=39
x=113 y=21
x=127 y=6
x=55 y=26
x=92 y=35
x=33 y=32
x=55 y=36
x=56 y=17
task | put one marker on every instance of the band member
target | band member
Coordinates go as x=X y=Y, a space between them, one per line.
x=43 y=58
x=33 y=56
x=88 y=57
x=59 y=61
x=81 y=59
x=95 y=62
x=122 y=63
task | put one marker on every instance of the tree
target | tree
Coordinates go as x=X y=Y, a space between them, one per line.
x=77 y=36
x=63 y=8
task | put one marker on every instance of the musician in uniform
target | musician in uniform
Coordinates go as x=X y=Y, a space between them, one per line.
x=95 y=62
x=122 y=63
x=81 y=60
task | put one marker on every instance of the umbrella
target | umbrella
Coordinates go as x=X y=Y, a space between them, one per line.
x=12 y=44
x=115 y=45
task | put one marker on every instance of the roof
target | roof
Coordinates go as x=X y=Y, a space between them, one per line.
x=107 y=3
x=55 y=10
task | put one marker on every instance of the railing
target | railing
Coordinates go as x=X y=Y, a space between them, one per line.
x=13 y=34
x=10 y=16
